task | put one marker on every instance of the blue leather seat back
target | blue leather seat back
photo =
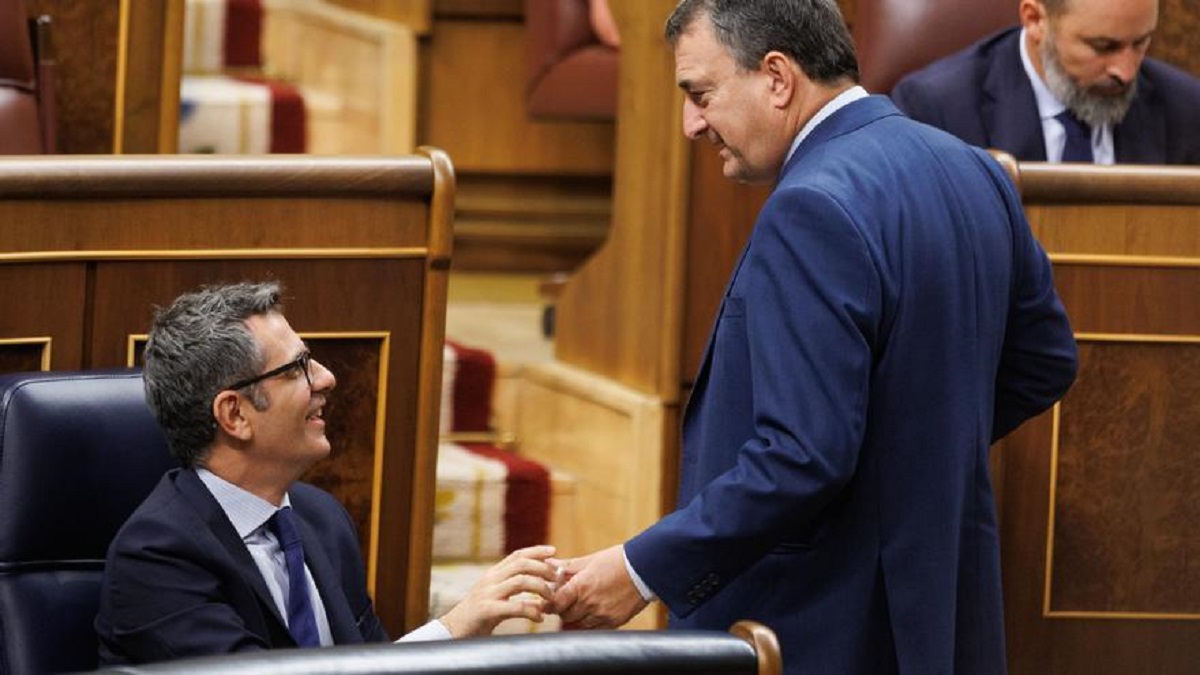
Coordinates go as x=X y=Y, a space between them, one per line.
x=78 y=453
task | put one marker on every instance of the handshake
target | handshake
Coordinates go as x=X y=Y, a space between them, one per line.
x=594 y=591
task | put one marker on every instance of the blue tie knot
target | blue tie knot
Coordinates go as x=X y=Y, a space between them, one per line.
x=283 y=524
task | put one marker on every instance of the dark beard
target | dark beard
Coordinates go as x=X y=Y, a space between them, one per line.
x=1091 y=108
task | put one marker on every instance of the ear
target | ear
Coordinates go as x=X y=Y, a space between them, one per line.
x=227 y=410
x=783 y=75
x=1033 y=18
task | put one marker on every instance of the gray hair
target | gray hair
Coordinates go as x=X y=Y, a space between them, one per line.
x=197 y=347
x=811 y=32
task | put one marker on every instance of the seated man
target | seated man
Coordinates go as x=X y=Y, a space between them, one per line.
x=1071 y=84
x=230 y=552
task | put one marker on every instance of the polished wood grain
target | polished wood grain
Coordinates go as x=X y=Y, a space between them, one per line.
x=86 y=35
x=363 y=250
x=1097 y=511
x=1177 y=40
x=1124 y=512
x=43 y=301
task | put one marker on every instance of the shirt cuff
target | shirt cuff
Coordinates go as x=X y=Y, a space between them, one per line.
x=647 y=594
x=434 y=630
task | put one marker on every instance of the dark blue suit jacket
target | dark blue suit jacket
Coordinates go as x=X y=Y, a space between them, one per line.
x=983 y=96
x=890 y=317
x=180 y=582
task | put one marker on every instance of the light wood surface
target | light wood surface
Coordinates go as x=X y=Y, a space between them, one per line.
x=360 y=87
x=620 y=316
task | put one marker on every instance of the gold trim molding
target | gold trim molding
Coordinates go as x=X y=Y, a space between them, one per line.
x=413 y=252
x=46 y=342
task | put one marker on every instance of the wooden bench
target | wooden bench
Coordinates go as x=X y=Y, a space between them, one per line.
x=1097 y=496
x=91 y=244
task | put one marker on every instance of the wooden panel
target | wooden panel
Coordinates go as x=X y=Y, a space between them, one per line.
x=529 y=224
x=1124 y=510
x=43 y=300
x=1178 y=38
x=620 y=316
x=86 y=34
x=473 y=107
x=360 y=88
x=1154 y=300
x=609 y=438
x=1097 y=513
x=149 y=65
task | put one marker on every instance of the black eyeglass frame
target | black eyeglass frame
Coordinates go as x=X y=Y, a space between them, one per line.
x=302 y=362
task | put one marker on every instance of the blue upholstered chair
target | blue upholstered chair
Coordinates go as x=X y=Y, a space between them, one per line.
x=78 y=452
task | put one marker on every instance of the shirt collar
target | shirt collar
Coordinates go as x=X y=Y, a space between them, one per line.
x=840 y=101
x=247 y=511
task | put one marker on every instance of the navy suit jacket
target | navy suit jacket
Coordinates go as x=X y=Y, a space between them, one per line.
x=180 y=582
x=983 y=96
x=890 y=316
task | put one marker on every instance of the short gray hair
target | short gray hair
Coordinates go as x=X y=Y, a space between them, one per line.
x=811 y=32
x=197 y=347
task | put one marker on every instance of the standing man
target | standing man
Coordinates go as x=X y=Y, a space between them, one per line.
x=1071 y=84
x=230 y=553
x=890 y=317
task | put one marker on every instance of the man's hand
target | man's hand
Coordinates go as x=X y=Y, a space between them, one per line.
x=598 y=592
x=518 y=586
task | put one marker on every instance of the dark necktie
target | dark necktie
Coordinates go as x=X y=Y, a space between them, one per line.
x=1079 y=138
x=302 y=622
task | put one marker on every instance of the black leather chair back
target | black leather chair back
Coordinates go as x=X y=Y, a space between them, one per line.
x=78 y=452
x=570 y=653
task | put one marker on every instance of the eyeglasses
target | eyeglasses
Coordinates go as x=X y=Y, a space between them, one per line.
x=302 y=363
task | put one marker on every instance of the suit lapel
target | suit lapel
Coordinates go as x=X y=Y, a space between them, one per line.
x=1013 y=126
x=1141 y=138
x=202 y=501
x=341 y=618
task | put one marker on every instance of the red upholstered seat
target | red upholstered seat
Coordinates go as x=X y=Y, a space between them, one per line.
x=570 y=69
x=896 y=37
x=26 y=84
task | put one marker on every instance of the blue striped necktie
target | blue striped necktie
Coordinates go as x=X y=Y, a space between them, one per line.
x=302 y=622
x=1079 y=138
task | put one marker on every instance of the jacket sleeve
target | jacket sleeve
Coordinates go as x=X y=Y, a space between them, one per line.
x=1039 y=359
x=811 y=298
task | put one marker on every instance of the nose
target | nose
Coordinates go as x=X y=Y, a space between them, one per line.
x=693 y=122
x=323 y=378
x=1124 y=65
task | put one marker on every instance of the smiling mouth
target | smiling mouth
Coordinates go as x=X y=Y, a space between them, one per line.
x=317 y=414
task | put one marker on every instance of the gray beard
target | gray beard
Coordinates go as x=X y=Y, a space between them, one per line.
x=1091 y=109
